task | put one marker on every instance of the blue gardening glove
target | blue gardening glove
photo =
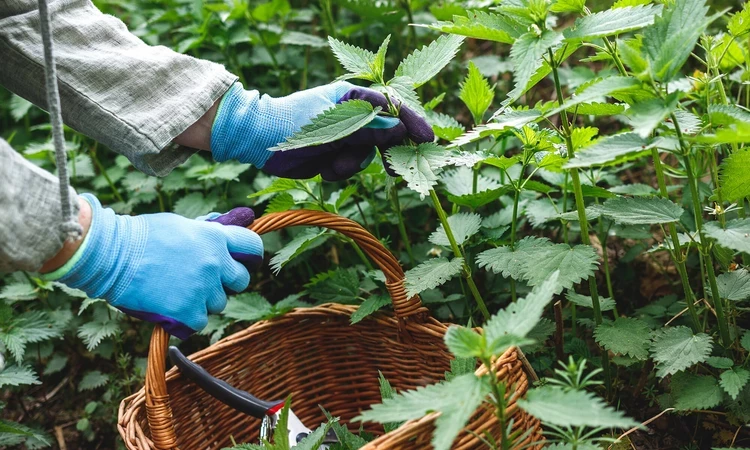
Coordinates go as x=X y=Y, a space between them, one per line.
x=164 y=268
x=247 y=125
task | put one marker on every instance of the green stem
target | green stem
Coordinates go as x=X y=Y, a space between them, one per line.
x=457 y=253
x=581 y=207
x=360 y=253
x=603 y=235
x=513 y=231
x=705 y=245
x=498 y=391
x=401 y=226
x=103 y=171
x=677 y=256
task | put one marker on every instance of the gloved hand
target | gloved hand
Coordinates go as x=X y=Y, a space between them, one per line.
x=164 y=268
x=247 y=125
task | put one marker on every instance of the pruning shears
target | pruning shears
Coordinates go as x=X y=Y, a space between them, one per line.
x=242 y=401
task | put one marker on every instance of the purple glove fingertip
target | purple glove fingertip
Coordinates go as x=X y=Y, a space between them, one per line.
x=171 y=326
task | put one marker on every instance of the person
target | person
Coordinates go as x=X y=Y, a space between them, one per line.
x=157 y=108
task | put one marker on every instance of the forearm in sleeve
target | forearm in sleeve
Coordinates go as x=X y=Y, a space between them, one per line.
x=114 y=88
x=30 y=218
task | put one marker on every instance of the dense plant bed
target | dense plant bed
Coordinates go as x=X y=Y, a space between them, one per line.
x=585 y=199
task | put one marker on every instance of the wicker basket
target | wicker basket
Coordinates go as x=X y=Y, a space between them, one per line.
x=315 y=355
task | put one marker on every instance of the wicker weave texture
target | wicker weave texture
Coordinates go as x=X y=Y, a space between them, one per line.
x=318 y=358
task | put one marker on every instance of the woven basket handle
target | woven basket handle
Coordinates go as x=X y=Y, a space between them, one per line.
x=158 y=411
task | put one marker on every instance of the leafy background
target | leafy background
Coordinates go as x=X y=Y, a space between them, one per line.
x=488 y=215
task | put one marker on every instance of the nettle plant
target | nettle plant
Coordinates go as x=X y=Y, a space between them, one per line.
x=548 y=164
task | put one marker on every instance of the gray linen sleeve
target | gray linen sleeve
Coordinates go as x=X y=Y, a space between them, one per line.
x=30 y=217
x=114 y=88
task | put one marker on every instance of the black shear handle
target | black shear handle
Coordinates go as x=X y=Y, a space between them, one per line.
x=221 y=390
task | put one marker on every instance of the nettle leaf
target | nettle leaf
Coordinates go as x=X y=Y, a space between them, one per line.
x=94 y=332
x=745 y=341
x=248 y=306
x=691 y=391
x=369 y=307
x=14 y=375
x=635 y=189
x=605 y=303
x=277 y=185
x=736 y=234
x=195 y=204
x=733 y=380
x=280 y=203
x=335 y=286
x=675 y=349
x=626 y=336
x=612 y=22
x=519 y=318
x=502 y=124
x=482 y=25
x=668 y=43
x=610 y=150
x=464 y=342
x=719 y=362
x=641 y=210
x=377 y=67
x=533 y=259
x=571 y=6
x=739 y=23
x=728 y=114
x=734 y=177
x=735 y=285
x=458 y=184
x=646 y=116
x=18 y=291
x=455 y=400
x=423 y=64
x=509 y=262
x=445 y=126
x=431 y=274
x=527 y=55
x=418 y=165
x=401 y=89
x=476 y=93
x=296 y=247
x=227 y=171
x=92 y=380
x=357 y=61
x=463 y=225
x=567 y=408
x=331 y=125
x=596 y=90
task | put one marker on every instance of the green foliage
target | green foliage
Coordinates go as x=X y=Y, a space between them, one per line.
x=431 y=274
x=572 y=408
x=641 y=210
x=677 y=348
x=735 y=236
x=527 y=56
x=695 y=391
x=463 y=225
x=331 y=125
x=612 y=22
x=533 y=259
x=626 y=336
x=615 y=149
x=735 y=285
x=423 y=64
x=476 y=93
x=733 y=380
x=455 y=400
